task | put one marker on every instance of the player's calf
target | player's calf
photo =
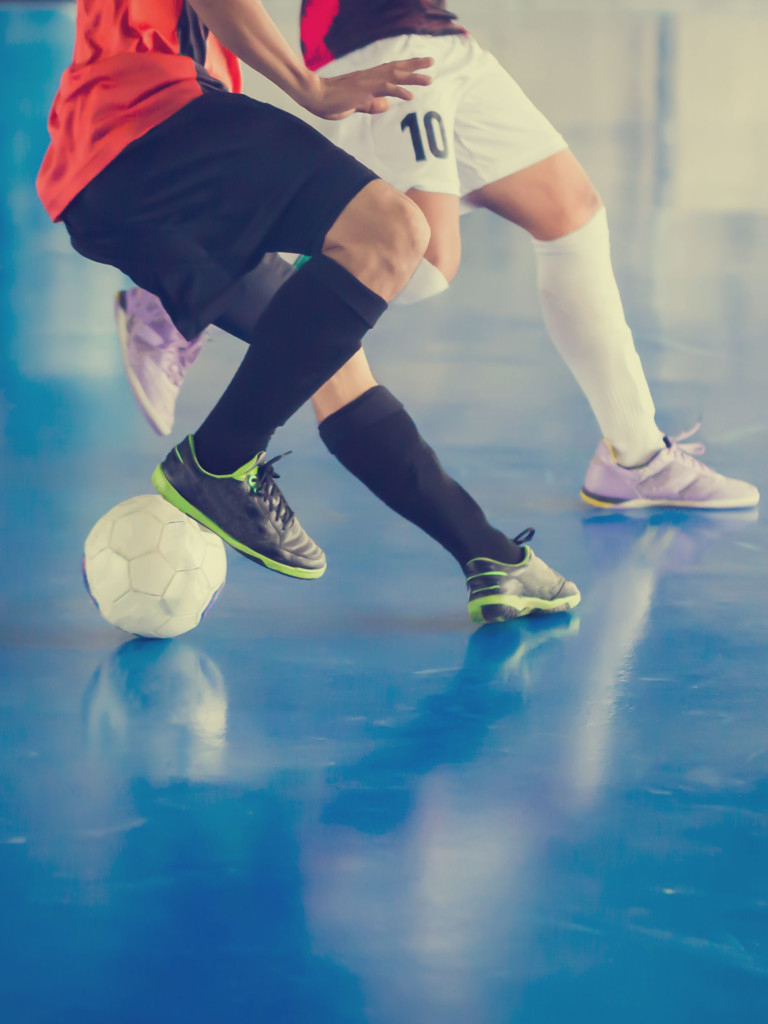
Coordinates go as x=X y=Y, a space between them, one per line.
x=377 y=441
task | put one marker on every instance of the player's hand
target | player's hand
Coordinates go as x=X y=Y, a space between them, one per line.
x=366 y=91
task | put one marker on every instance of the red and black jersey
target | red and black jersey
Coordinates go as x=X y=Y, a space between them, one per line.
x=333 y=28
x=135 y=63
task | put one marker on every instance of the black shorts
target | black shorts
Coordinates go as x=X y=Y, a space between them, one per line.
x=194 y=204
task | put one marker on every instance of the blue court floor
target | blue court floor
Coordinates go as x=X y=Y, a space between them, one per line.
x=335 y=801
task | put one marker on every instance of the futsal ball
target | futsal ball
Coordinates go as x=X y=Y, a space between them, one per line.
x=151 y=570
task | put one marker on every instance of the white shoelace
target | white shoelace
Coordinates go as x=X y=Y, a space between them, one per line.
x=687 y=453
x=697 y=448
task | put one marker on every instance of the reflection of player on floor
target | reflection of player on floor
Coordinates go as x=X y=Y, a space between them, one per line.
x=473 y=138
x=157 y=168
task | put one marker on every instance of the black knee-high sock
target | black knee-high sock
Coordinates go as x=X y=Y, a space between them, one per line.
x=311 y=328
x=378 y=442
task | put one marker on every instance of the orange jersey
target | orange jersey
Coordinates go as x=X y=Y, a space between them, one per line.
x=136 y=62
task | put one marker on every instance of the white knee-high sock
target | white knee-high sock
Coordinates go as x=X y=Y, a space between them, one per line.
x=585 y=318
x=426 y=282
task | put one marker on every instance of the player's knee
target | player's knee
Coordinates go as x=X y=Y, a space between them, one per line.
x=398 y=240
x=445 y=258
x=573 y=211
x=380 y=237
x=407 y=236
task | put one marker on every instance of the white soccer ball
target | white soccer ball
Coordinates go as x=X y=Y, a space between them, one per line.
x=151 y=570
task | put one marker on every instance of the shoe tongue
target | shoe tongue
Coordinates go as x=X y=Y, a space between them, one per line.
x=249 y=467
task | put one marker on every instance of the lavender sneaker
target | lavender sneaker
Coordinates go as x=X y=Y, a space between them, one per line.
x=674 y=478
x=155 y=355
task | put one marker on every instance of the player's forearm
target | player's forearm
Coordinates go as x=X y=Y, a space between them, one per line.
x=245 y=28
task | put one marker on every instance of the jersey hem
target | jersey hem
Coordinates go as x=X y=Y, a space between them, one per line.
x=56 y=202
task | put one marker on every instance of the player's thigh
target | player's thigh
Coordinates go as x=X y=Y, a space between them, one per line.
x=500 y=132
x=550 y=199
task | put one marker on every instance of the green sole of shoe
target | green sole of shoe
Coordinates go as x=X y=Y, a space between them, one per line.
x=495 y=609
x=168 y=491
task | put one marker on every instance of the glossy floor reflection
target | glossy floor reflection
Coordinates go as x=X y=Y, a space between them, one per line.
x=334 y=801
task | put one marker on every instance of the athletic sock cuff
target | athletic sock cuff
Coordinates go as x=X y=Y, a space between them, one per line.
x=374 y=405
x=367 y=304
x=580 y=239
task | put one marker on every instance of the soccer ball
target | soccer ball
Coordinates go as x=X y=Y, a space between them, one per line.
x=150 y=569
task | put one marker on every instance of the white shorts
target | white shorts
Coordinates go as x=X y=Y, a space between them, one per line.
x=474 y=125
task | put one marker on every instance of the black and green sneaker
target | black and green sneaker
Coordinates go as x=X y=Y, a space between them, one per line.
x=246 y=509
x=498 y=591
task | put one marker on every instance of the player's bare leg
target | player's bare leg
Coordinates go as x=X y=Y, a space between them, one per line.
x=348 y=384
x=636 y=465
x=555 y=202
x=549 y=200
x=400 y=232
x=443 y=251
x=442 y=215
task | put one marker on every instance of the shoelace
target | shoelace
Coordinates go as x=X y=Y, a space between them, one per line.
x=262 y=481
x=687 y=452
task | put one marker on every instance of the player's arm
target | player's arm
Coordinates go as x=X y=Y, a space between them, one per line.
x=245 y=28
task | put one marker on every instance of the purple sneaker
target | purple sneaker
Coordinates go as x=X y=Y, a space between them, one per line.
x=155 y=355
x=673 y=478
